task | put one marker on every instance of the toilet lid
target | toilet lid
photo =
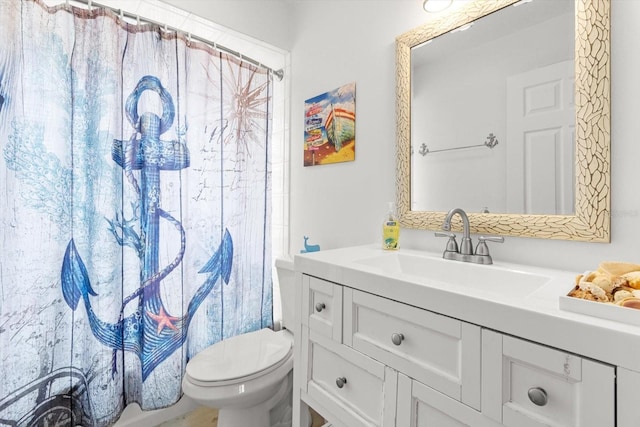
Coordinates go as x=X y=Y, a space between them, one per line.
x=240 y=356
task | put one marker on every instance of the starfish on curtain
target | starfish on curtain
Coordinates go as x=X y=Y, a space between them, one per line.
x=163 y=320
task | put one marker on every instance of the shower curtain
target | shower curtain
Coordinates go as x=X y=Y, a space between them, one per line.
x=134 y=210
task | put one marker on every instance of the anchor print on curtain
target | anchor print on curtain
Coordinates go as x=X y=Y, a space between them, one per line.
x=135 y=214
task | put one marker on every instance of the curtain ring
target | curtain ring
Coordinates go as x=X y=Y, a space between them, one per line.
x=138 y=20
x=121 y=15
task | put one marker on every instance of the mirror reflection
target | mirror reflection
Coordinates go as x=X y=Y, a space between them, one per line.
x=493 y=114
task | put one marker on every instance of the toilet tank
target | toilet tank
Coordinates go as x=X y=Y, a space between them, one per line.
x=286 y=280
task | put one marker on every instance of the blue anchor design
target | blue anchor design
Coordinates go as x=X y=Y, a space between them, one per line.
x=150 y=332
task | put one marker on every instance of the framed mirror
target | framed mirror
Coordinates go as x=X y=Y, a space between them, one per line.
x=476 y=141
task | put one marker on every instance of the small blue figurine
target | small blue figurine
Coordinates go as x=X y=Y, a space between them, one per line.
x=308 y=247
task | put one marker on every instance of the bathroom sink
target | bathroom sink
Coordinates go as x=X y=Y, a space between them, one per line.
x=456 y=274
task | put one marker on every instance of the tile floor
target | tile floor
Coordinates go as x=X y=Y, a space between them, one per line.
x=202 y=416
x=207 y=417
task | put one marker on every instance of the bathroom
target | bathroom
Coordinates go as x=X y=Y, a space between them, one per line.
x=331 y=43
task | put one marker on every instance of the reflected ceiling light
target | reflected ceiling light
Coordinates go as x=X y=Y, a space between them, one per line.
x=434 y=6
x=521 y=2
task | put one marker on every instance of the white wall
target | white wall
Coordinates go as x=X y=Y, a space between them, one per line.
x=337 y=42
x=266 y=20
x=340 y=41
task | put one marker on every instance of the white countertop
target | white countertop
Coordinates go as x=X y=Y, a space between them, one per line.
x=535 y=316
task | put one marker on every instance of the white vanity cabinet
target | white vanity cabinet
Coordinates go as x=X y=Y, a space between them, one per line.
x=528 y=384
x=381 y=346
x=354 y=375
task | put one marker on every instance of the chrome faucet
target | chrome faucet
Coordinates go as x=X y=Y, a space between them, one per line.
x=466 y=247
x=465 y=253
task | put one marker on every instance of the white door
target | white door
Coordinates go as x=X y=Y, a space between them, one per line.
x=540 y=140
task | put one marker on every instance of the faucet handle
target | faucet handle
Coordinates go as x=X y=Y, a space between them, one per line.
x=497 y=239
x=452 y=245
x=441 y=234
x=482 y=248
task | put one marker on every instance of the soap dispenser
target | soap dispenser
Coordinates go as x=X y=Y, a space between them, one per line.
x=390 y=230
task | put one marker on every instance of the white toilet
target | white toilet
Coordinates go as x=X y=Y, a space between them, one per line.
x=246 y=376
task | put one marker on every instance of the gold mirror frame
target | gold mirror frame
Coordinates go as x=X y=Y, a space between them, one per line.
x=591 y=221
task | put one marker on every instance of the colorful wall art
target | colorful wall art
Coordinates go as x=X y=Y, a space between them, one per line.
x=330 y=127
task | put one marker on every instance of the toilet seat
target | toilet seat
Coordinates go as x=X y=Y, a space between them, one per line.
x=240 y=358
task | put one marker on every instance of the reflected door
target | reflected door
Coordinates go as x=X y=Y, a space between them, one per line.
x=540 y=140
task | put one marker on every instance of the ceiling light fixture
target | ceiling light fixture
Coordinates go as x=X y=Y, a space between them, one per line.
x=434 y=6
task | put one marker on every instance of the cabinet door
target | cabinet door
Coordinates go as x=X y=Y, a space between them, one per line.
x=356 y=390
x=628 y=390
x=422 y=406
x=322 y=307
x=439 y=351
x=526 y=384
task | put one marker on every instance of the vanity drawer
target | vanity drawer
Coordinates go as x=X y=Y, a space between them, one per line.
x=359 y=390
x=419 y=405
x=439 y=351
x=322 y=307
x=568 y=390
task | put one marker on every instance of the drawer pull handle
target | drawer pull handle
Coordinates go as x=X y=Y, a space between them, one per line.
x=538 y=396
x=397 y=338
x=320 y=306
x=341 y=381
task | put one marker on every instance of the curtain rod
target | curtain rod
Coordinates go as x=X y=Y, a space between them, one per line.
x=278 y=73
